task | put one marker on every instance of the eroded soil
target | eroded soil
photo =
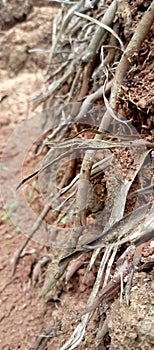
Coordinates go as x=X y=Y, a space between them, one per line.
x=23 y=312
x=24 y=315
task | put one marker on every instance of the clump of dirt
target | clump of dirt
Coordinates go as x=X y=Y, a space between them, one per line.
x=132 y=327
x=14 y=12
x=33 y=31
x=138 y=102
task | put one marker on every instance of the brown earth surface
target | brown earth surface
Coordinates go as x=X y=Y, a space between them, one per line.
x=24 y=314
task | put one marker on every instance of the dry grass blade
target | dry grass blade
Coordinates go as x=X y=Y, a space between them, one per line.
x=42 y=168
x=120 y=199
x=107 y=105
x=111 y=236
x=92 y=98
x=95 y=144
x=100 y=24
x=79 y=331
x=122 y=228
x=110 y=290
